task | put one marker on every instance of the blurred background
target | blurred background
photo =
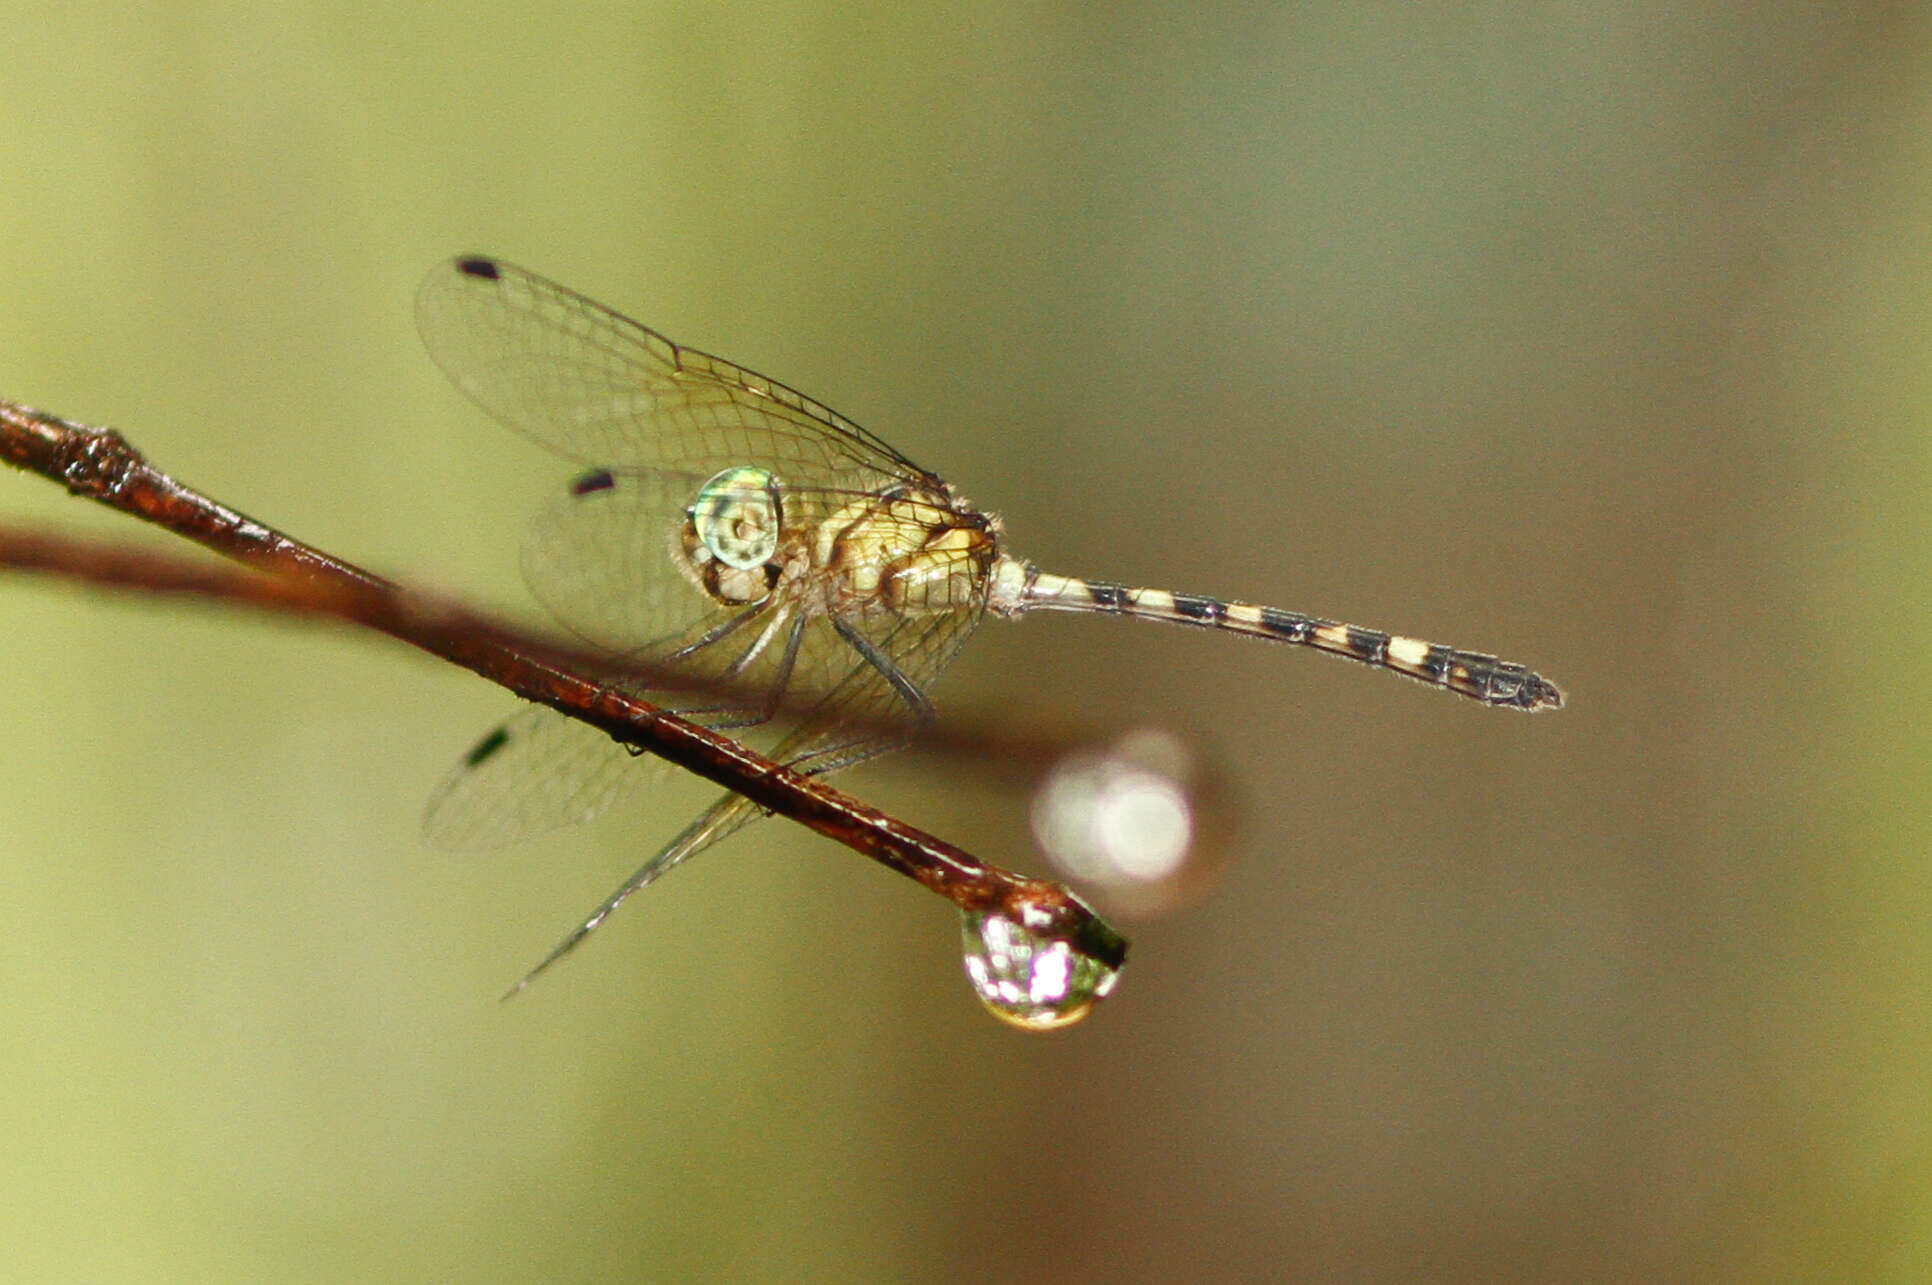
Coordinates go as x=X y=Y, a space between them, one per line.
x=1598 y=339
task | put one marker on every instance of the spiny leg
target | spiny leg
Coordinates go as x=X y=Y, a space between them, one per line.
x=740 y=715
x=719 y=820
x=774 y=691
x=782 y=680
x=852 y=751
x=718 y=633
x=930 y=642
x=908 y=691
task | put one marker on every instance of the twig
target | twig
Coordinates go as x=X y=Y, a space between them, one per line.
x=100 y=465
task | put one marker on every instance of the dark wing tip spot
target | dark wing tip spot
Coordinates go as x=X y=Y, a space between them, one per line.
x=489 y=745
x=592 y=482
x=474 y=266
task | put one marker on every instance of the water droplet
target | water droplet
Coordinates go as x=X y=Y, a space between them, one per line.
x=1030 y=974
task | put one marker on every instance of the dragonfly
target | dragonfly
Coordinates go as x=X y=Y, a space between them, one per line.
x=803 y=573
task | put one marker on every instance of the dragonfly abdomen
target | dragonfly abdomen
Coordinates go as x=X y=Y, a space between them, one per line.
x=1477 y=675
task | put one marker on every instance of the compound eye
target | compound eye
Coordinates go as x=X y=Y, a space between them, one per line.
x=736 y=516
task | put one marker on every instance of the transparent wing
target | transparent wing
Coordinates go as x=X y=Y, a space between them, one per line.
x=826 y=740
x=867 y=712
x=921 y=646
x=601 y=389
x=654 y=420
x=862 y=716
x=537 y=772
x=542 y=770
x=605 y=560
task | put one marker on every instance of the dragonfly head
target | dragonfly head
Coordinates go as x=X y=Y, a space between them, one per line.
x=731 y=535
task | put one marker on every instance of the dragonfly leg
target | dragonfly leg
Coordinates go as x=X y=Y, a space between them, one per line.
x=856 y=750
x=916 y=700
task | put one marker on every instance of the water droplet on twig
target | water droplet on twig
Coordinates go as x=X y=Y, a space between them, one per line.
x=1030 y=975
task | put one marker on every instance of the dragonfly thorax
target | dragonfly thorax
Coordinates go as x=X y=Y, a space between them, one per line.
x=909 y=549
x=906 y=550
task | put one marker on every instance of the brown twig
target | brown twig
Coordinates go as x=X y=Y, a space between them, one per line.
x=100 y=465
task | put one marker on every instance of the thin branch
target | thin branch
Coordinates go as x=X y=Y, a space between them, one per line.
x=100 y=465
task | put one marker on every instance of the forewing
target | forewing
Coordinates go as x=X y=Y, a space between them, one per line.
x=617 y=396
x=602 y=389
x=917 y=647
x=824 y=741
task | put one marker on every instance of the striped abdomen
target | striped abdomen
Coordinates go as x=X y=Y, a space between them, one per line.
x=1467 y=673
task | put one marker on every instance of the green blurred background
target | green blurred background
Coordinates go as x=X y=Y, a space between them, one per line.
x=1598 y=339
